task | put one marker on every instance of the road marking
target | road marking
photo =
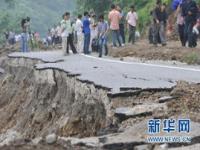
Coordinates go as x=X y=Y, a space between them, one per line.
x=143 y=64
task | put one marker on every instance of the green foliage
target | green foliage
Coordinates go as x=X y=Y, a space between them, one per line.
x=192 y=58
x=43 y=13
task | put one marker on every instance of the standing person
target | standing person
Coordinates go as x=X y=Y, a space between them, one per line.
x=195 y=33
x=69 y=28
x=30 y=35
x=24 y=35
x=162 y=20
x=79 y=33
x=103 y=28
x=132 y=18
x=6 y=34
x=150 y=32
x=11 y=38
x=93 y=28
x=64 y=33
x=86 y=31
x=114 y=19
x=122 y=24
x=155 y=29
x=53 y=35
x=49 y=38
x=180 y=23
x=59 y=32
x=189 y=12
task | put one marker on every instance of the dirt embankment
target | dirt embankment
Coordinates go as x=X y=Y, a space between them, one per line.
x=173 y=51
x=39 y=102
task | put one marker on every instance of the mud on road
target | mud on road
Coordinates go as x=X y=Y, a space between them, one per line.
x=173 y=51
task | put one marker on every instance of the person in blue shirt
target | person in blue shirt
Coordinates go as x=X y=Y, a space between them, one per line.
x=86 y=32
x=103 y=29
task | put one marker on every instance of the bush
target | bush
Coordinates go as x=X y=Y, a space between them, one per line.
x=192 y=58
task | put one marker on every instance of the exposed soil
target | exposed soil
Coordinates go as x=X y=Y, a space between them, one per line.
x=173 y=51
x=187 y=102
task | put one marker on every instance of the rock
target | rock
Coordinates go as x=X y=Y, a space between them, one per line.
x=161 y=147
x=192 y=147
x=54 y=105
x=90 y=142
x=165 y=99
x=130 y=138
x=143 y=147
x=126 y=140
x=146 y=109
x=8 y=137
x=87 y=142
x=37 y=140
x=51 y=139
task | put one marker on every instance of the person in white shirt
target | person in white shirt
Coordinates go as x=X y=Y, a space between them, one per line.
x=58 y=34
x=132 y=18
x=79 y=33
x=64 y=33
x=67 y=34
x=53 y=35
x=93 y=29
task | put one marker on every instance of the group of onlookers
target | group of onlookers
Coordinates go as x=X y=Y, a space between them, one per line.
x=53 y=36
x=90 y=32
x=10 y=37
x=118 y=21
x=188 y=22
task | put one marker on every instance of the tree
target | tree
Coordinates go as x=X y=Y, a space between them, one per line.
x=11 y=3
x=99 y=6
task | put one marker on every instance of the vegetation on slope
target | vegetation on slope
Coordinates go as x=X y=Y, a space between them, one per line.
x=44 y=13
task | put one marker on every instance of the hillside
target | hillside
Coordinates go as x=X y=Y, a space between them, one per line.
x=44 y=13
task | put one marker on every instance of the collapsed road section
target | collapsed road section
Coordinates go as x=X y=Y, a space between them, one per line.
x=101 y=103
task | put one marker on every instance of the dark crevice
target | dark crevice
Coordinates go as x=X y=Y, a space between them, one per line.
x=137 y=92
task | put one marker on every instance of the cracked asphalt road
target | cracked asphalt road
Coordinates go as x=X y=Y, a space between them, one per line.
x=114 y=74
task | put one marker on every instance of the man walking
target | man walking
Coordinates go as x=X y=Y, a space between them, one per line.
x=132 y=18
x=114 y=19
x=86 y=31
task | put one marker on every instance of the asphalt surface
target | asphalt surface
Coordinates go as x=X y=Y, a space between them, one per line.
x=114 y=74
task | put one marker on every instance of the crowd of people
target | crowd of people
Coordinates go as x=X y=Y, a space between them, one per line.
x=188 y=20
x=53 y=36
x=187 y=13
x=10 y=37
x=89 y=32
